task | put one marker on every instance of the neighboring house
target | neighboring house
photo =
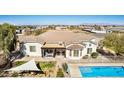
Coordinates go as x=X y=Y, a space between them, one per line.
x=20 y=32
x=119 y=29
x=102 y=31
x=61 y=28
x=59 y=43
x=41 y=27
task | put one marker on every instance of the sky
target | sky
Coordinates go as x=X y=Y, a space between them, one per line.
x=61 y=19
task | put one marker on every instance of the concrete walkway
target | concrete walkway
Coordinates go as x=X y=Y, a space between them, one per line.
x=74 y=71
x=37 y=58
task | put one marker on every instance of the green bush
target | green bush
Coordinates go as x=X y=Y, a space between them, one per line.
x=85 y=57
x=60 y=73
x=94 y=55
x=38 y=32
x=18 y=63
x=15 y=74
x=46 y=65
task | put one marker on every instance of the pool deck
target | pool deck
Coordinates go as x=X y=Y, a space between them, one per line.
x=74 y=65
x=75 y=72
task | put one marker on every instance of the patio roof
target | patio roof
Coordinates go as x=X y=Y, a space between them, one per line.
x=29 y=66
x=53 y=46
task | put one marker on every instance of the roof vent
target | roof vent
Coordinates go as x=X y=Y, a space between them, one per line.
x=60 y=43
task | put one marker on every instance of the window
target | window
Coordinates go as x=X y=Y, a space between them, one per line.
x=32 y=48
x=70 y=53
x=89 y=50
x=76 y=53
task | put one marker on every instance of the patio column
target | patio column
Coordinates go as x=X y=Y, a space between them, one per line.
x=42 y=52
x=65 y=53
x=54 y=52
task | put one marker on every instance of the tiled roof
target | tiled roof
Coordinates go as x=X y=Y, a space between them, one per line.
x=53 y=46
x=30 y=39
x=75 y=46
x=54 y=37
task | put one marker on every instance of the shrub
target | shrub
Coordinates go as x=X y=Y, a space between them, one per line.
x=28 y=33
x=60 y=73
x=46 y=65
x=38 y=32
x=85 y=57
x=94 y=55
x=15 y=74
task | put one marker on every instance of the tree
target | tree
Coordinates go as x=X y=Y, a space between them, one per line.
x=115 y=42
x=97 y=27
x=7 y=39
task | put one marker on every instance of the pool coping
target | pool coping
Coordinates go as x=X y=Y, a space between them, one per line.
x=75 y=71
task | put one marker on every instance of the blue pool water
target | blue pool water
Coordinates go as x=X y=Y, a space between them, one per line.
x=102 y=71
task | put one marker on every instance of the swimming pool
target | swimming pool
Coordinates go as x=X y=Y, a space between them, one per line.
x=102 y=71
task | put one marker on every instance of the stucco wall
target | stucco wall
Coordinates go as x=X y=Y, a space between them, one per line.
x=97 y=31
x=72 y=57
x=26 y=49
x=93 y=46
x=84 y=51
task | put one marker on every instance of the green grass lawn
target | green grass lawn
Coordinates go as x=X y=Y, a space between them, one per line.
x=46 y=65
x=18 y=63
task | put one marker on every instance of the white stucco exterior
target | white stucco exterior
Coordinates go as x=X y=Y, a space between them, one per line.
x=82 y=52
x=103 y=31
x=72 y=53
x=99 y=31
x=90 y=45
x=79 y=52
x=26 y=49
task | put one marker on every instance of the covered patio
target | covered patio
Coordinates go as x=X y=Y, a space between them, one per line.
x=53 y=50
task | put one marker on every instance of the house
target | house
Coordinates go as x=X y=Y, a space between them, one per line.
x=58 y=43
x=117 y=29
x=102 y=31
x=61 y=28
x=20 y=31
x=41 y=27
